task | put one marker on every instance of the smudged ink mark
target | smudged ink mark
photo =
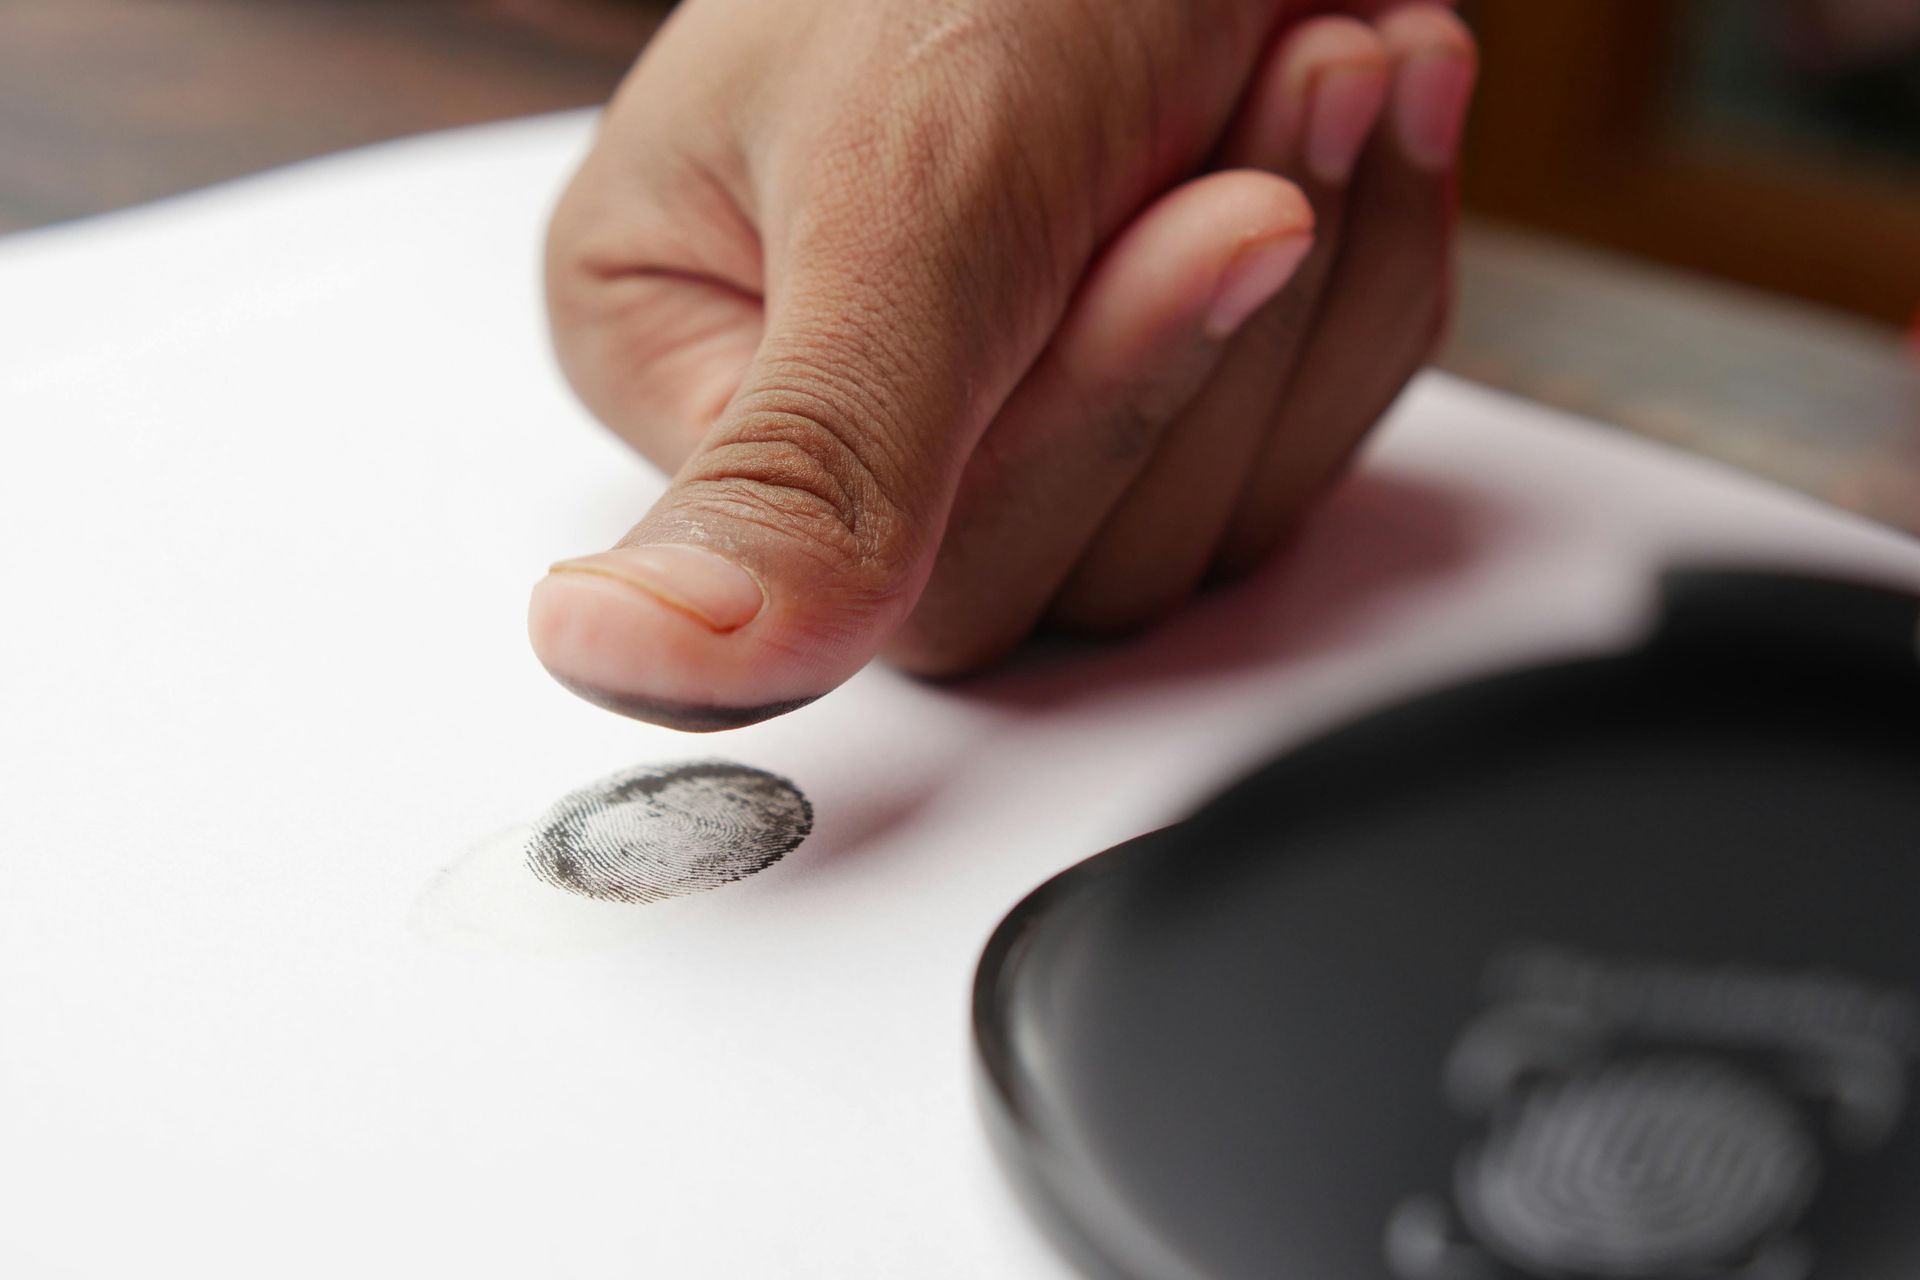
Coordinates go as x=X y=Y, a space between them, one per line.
x=658 y=832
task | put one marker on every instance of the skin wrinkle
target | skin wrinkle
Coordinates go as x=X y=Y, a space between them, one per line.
x=677 y=432
x=592 y=290
x=865 y=316
x=779 y=432
x=958 y=275
x=1053 y=255
x=851 y=406
x=1160 y=156
x=1026 y=186
x=1158 y=145
x=617 y=241
x=791 y=492
x=844 y=408
x=709 y=203
x=1098 y=159
x=734 y=190
x=950 y=202
x=751 y=503
x=692 y=350
x=946 y=153
x=1120 y=129
x=864 y=359
x=869 y=570
x=1039 y=245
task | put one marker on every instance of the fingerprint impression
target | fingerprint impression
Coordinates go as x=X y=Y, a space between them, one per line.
x=657 y=832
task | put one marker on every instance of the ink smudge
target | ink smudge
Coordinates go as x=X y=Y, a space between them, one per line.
x=657 y=832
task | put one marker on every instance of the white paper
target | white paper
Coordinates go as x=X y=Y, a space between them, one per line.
x=278 y=463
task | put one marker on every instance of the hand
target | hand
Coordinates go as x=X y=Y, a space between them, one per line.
x=951 y=319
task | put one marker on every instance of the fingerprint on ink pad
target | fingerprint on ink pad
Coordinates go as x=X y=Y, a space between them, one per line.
x=657 y=832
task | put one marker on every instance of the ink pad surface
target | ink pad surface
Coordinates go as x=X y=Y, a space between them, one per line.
x=1605 y=969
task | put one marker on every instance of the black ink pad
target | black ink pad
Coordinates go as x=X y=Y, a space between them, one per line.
x=1601 y=971
x=658 y=832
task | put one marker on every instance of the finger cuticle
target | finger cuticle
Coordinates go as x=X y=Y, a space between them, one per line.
x=1343 y=104
x=706 y=586
x=1431 y=93
x=1258 y=271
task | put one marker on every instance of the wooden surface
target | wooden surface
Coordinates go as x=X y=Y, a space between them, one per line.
x=1816 y=400
x=1578 y=132
x=105 y=103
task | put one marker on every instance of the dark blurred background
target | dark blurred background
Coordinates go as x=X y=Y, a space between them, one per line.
x=1699 y=219
x=1775 y=142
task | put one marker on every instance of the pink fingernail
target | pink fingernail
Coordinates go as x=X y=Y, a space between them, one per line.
x=1256 y=274
x=1430 y=99
x=1344 y=104
x=695 y=581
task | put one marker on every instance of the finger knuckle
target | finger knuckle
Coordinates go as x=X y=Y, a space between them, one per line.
x=953 y=632
x=1129 y=414
x=1115 y=613
x=1132 y=431
x=936 y=654
x=787 y=462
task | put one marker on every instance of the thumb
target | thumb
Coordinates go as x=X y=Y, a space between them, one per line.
x=797 y=537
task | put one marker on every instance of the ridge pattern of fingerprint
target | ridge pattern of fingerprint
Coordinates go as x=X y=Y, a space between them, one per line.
x=657 y=832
